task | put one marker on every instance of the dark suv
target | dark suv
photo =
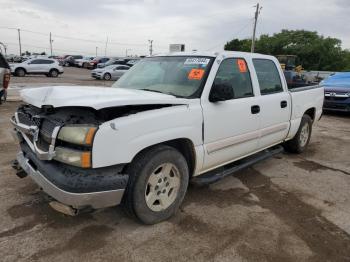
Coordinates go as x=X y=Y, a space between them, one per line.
x=70 y=60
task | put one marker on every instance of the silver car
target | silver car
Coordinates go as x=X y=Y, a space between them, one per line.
x=112 y=72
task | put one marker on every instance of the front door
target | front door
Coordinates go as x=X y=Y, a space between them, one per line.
x=231 y=126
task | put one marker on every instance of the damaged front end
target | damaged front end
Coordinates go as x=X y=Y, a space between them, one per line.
x=56 y=152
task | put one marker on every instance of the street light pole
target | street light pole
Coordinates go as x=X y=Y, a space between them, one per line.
x=150 y=47
x=106 y=46
x=19 y=41
x=96 y=50
x=51 y=43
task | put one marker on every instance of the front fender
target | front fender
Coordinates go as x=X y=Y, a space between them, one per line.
x=118 y=141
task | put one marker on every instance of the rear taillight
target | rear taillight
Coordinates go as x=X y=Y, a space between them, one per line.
x=7 y=77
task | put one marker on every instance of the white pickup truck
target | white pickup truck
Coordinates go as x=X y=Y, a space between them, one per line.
x=169 y=120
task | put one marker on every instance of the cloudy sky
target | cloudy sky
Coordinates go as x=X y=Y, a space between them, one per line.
x=79 y=26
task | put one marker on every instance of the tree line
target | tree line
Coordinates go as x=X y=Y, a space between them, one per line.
x=314 y=51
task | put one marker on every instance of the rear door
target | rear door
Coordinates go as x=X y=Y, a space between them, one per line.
x=33 y=66
x=274 y=101
x=231 y=126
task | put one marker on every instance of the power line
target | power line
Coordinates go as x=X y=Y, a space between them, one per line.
x=235 y=34
x=74 y=38
x=47 y=49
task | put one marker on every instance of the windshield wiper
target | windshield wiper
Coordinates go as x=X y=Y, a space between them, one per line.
x=156 y=91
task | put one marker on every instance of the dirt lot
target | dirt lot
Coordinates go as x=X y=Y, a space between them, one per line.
x=288 y=208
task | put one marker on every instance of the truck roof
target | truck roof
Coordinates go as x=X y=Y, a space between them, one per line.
x=217 y=54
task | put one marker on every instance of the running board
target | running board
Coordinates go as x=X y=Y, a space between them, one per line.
x=230 y=169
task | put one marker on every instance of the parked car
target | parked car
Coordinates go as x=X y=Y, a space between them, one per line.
x=70 y=60
x=337 y=92
x=170 y=119
x=39 y=66
x=119 y=61
x=61 y=59
x=112 y=72
x=84 y=62
x=5 y=75
x=93 y=64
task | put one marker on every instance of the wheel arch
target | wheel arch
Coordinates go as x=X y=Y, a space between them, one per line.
x=311 y=112
x=21 y=68
x=184 y=145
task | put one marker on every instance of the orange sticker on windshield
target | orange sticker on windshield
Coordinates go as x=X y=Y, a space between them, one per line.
x=242 y=66
x=196 y=74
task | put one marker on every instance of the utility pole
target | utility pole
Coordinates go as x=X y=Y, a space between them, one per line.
x=19 y=41
x=51 y=43
x=106 y=46
x=257 y=12
x=150 y=47
x=96 y=50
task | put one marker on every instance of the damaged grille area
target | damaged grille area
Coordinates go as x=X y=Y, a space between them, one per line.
x=48 y=118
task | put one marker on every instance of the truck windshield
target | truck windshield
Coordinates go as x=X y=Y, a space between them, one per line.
x=181 y=76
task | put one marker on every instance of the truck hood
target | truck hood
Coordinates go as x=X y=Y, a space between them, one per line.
x=95 y=97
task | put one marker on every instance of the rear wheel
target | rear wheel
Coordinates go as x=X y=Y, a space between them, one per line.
x=158 y=180
x=302 y=137
x=53 y=73
x=107 y=76
x=20 y=72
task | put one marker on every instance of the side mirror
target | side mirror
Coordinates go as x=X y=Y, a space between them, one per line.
x=221 y=92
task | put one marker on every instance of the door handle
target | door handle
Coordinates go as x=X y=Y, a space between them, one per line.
x=255 y=109
x=283 y=104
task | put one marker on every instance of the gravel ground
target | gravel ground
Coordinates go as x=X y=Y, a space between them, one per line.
x=288 y=208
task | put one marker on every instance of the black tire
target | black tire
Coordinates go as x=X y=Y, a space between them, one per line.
x=85 y=65
x=296 y=145
x=107 y=76
x=20 y=72
x=141 y=168
x=54 y=73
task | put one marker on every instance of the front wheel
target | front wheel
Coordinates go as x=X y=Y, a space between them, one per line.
x=302 y=137
x=53 y=73
x=158 y=180
x=107 y=76
x=20 y=72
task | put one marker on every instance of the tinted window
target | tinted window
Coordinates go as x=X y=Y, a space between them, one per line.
x=47 y=62
x=35 y=62
x=42 y=62
x=234 y=72
x=268 y=76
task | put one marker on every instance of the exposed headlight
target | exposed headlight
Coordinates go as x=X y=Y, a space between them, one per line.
x=80 y=135
x=73 y=157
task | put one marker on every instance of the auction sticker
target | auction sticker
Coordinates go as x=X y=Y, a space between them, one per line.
x=196 y=74
x=197 y=61
x=242 y=66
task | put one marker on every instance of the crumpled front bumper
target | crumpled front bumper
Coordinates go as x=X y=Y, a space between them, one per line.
x=77 y=200
x=98 y=199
